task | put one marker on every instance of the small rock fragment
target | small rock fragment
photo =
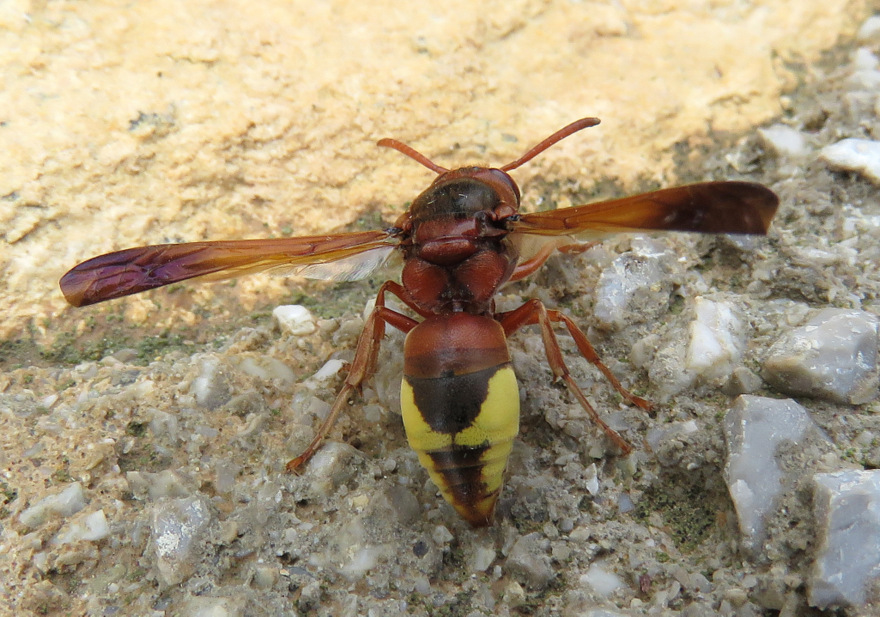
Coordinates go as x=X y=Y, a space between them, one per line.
x=66 y=503
x=529 y=561
x=330 y=369
x=832 y=356
x=591 y=479
x=847 y=508
x=870 y=29
x=92 y=527
x=210 y=387
x=480 y=557
x=865 y=75
x=310 y=598
x=636 y=282
x=210 y=606
x=330 y=467
x=265 y=576
x=164 y=424
x=514 y=595
x=295 y=319
x=865 y=79
x=715 y=345
x=785 y=140
x=601 y=580
x=659 y=435
x=166 y=483
x=709 y=354
x=861 y=155
x=753 y=429
x=404 y=504
x=267 y=367
x=442 y=535
x=864 y=59
x=742 y=381
x=362 y=561
x=178 y=525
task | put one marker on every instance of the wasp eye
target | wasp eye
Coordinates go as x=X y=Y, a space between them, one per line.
x=502 y=176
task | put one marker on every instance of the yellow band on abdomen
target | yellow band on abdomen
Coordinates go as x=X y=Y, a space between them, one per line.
x=463 y=427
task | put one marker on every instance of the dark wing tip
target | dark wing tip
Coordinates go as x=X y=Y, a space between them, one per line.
x=760 y=201
x=72 y=288
x=719 y=208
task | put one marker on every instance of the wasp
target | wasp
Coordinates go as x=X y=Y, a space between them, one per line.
x=460 y=241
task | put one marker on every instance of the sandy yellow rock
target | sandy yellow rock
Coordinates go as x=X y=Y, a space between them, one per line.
x=133 y=123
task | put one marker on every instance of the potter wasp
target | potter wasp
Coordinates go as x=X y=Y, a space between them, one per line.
x=460 y=240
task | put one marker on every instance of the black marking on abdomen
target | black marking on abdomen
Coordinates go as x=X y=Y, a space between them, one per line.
x=462 y=471
x=450 y=403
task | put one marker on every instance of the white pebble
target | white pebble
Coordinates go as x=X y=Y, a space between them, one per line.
x=864 y=59
x=715 y=345
x=861 y=155
x=331 y=467
x=833 y=356
x=785 y=140
x=207 y=606
x=176 y=527
x=591 y=480
x=65 y=503
x=361 y=562
x=92 y=527
x=870 y=29
x=267 y=367
x=481 y=559
x=330 y=369
x=753 y=429
x=210 y=387
x=865 y=79
x=441 y=535
x=601 y=580
x=847 y=506
x=295 y=319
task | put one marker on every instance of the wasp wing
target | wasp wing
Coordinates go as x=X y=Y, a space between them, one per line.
x=708 y=207
x=338 y=256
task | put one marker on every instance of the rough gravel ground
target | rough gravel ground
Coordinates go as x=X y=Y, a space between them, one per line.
x=191 y=442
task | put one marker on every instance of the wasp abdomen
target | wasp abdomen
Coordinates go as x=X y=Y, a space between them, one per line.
x=460 y=404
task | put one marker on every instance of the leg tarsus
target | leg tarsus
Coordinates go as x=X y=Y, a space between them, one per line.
x=533 y=263
x=294 y=464
x=578 y=248
x=534 y=312
x=362 y=366
x=588 y=351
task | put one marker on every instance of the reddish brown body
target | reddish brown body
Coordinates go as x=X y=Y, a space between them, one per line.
x=461 y=240
x=456 y=255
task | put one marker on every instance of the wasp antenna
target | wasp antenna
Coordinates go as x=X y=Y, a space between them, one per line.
x=559 y=135
x=411 y=153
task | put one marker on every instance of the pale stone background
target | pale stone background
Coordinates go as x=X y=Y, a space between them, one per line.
x=264 y=119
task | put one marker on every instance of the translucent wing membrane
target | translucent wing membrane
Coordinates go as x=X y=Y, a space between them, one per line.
x=351 y=268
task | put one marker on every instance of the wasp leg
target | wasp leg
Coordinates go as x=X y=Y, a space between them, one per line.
x=577 y=248
x=364 y=363
x=588 y=352
x=533 y=263
x=530 y=265
x=534 y=312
